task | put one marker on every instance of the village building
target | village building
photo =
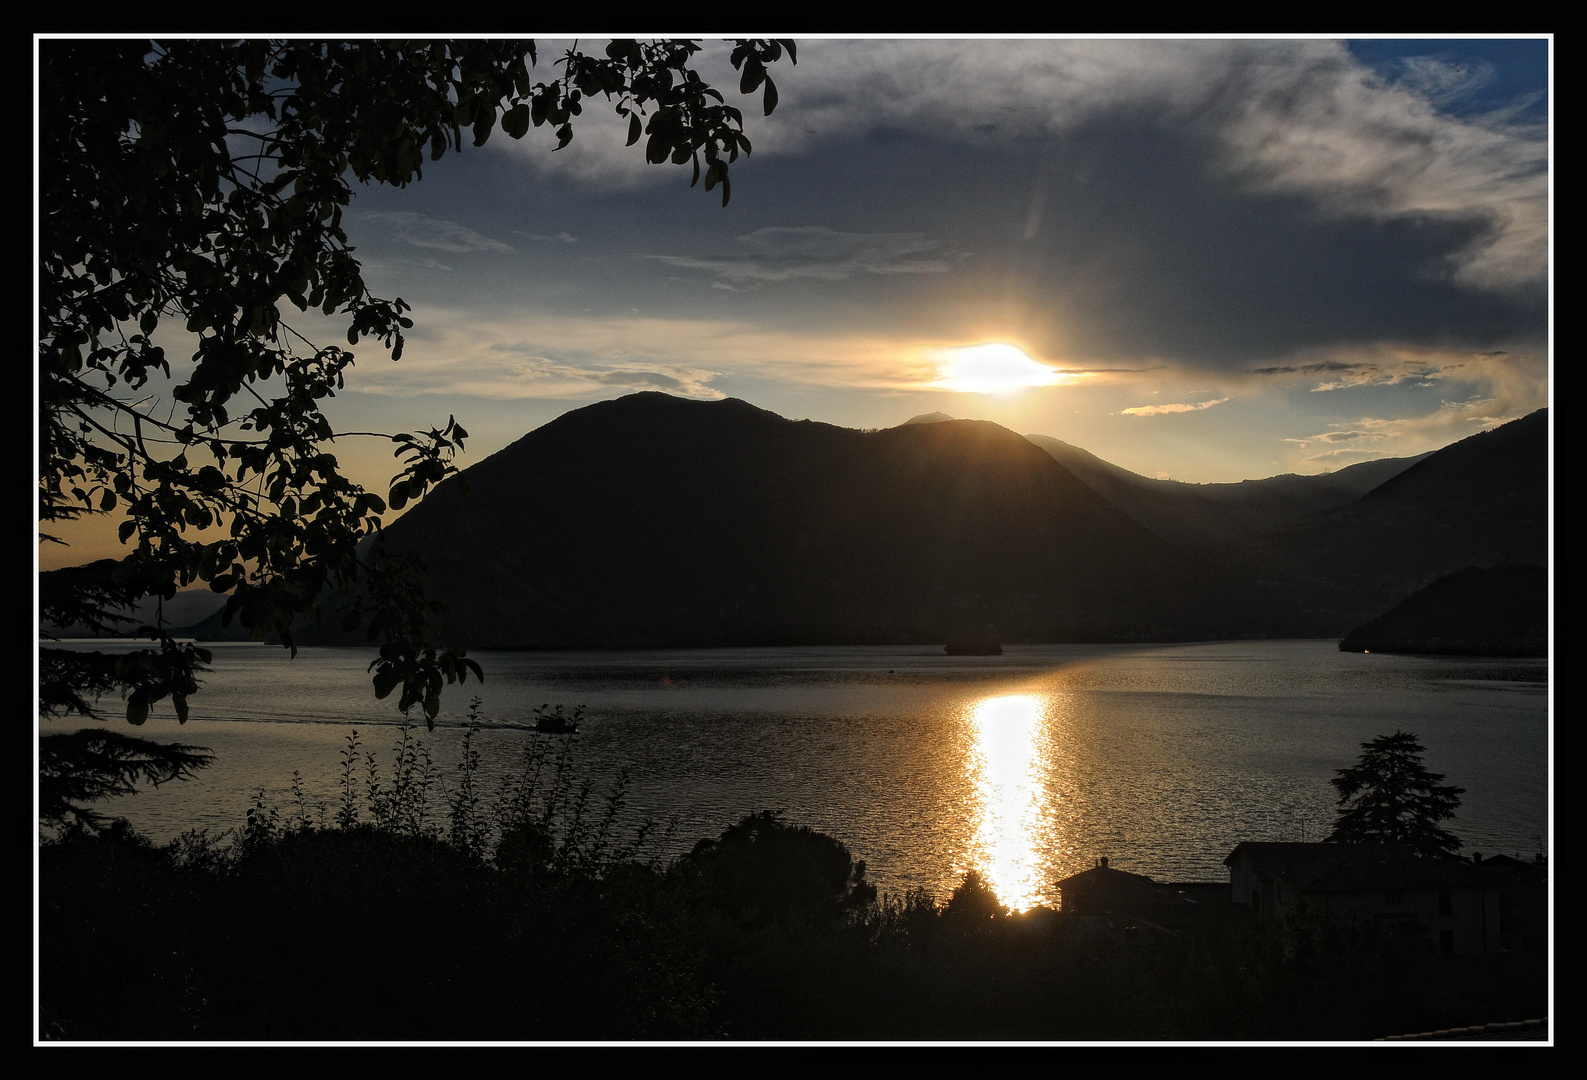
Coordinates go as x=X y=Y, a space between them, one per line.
x=1456 y=901
x=1116 y=896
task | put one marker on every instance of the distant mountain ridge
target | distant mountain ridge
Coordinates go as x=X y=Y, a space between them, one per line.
x=1482 y=501
x=1211 y=517
x=652 y=520
x=1494 y=611
x=658 y=521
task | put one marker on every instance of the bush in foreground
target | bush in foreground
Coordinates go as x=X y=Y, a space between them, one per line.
x=527 y=917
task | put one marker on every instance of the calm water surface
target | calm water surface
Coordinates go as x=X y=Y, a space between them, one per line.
x=1026 y=766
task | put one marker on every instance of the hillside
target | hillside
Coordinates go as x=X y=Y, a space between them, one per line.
x=652 y=520
x=1498 y=611
x=1213 y=518
x=1479 y=502
x=659 y=521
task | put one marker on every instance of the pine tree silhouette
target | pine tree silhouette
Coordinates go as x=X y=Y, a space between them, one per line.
x=1388 y=797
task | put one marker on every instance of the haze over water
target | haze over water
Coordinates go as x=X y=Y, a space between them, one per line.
x=1026 y=766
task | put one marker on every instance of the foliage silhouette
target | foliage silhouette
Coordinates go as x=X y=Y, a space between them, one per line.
x=1389 y=797
x=87 y=765
x=190 y=191
x=764 y=870
x=973 y=900
x=307 y=932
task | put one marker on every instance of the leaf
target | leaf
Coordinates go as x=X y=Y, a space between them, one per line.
x=754 y=72
x=145 y=231
x=771 y=95
x=515 y=122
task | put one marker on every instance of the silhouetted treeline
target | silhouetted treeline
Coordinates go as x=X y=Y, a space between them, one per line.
x=409 y=913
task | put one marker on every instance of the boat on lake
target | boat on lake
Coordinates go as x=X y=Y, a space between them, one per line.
x=554 y=721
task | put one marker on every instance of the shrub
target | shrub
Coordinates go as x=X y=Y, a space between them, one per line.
x=764 y=870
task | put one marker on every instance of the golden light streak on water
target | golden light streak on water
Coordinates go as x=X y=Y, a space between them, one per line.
x=1007 y=761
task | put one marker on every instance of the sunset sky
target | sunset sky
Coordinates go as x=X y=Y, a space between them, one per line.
x=1225 y=259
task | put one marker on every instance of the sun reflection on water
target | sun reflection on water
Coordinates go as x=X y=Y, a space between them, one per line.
x=1008 y=758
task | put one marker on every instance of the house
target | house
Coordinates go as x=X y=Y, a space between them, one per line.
x=1457 y=902
x=1523 y=901
x=1104 y=890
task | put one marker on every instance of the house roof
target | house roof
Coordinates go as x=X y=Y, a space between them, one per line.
x=1336 y=868
x=1103 y=884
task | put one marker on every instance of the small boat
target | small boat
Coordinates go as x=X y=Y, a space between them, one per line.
x=553 y=721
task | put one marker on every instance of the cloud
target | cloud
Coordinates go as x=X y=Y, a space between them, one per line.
x=812 y=251
x=1163 y=410
x=1331 y=130
x=1440 y=81
x=1337 y=437
x=521 y=373
x=1370 y=437
x=1369 y=375
x=1300 y=117
x=1417 y=366
x=1331 y=460
x=404 y=226
x=527 y=353
x=556 y=238
x=1290 y=115
x=515 y=371
x=1304 y=369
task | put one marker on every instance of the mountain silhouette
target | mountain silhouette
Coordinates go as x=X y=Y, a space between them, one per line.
x=652 y=520
x=659 y=521
x=1494 y=611
x=1214 y=519
x=1482 y=501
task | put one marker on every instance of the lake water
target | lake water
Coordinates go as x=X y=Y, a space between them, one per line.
x=1027 y=766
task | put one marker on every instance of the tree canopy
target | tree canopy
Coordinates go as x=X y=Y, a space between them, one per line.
x=1389 y=797
x=191 y=196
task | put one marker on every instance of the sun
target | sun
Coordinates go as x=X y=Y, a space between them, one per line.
x=993 y=368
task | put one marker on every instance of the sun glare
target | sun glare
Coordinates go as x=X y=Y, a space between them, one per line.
x=993 y=368
x=1007 y=759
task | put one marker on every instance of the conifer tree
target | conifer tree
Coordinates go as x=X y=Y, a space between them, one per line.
x=1389 y=797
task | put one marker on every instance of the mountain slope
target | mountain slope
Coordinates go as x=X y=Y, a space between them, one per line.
x=652 y=520
x=1212 y=518
x=1498 y=611
x=1478 y=502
